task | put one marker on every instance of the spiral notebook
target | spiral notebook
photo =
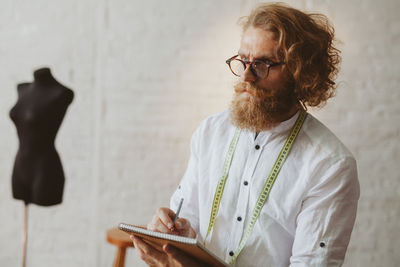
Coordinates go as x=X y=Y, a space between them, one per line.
x=189 y=245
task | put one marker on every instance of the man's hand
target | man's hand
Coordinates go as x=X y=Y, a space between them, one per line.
x=169 y=256
x=163 y=221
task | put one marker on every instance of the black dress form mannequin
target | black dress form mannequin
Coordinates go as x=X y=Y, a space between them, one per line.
x=38 y=176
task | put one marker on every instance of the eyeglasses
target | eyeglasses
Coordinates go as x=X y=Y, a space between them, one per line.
x=260 y=68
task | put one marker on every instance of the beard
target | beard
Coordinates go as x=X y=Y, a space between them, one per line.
x=261 y=109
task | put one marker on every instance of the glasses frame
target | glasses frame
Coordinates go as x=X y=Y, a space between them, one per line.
x=250 y=63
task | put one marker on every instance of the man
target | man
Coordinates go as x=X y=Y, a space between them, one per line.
x=285 y=63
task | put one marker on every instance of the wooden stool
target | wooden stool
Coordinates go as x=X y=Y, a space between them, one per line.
x=122 y=241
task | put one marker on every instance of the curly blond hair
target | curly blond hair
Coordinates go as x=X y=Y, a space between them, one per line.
x=305 y=43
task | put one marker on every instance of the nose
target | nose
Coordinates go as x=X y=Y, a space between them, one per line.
x=248 y=75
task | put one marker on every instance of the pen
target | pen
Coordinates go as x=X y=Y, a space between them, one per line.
x=177 y=212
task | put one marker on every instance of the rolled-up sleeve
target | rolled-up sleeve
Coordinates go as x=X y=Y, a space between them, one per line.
x=327 y=216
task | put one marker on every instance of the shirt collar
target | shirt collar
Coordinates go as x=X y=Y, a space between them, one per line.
x=285 y=125
x=281 y=128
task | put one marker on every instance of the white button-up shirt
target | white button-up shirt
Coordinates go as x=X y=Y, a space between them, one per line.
x=309 y=215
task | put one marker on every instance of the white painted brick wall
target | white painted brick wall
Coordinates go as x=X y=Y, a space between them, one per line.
x=145 y=73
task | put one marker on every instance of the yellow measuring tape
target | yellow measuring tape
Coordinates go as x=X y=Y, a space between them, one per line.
x=221 y=183
x=262 y=198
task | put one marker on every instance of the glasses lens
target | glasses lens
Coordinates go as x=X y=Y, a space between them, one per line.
x=260 y=68
x=237 y=67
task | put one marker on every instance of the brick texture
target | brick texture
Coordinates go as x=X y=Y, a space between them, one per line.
x=145 y=73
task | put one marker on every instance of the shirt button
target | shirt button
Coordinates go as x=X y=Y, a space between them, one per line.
x=245 y=183
x=231 y=253
x=239 y=218
x=322 y=244
x=257 y=147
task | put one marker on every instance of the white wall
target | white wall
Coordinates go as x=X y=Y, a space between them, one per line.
x=145 y=73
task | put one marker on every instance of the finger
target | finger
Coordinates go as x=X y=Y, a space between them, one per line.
x=147 y=252
x=159 y=226
x=138 y=248
x=154 y=221
x=184 y=229
x=179 y=256
x=170 y=250
x=141 y=245
x=132 y=238
x=182 y=224
x=166 y=216
x=156 y=224
x=136 y=242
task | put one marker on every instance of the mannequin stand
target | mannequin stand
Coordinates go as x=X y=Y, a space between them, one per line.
x=25 y=235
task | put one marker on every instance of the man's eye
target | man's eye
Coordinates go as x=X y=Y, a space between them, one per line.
x=261 y=63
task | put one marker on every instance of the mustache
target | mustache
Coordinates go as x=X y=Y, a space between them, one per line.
x=256 y=91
